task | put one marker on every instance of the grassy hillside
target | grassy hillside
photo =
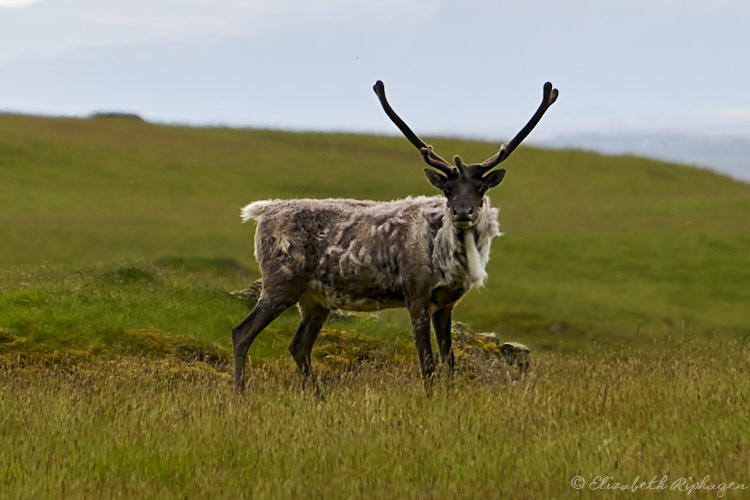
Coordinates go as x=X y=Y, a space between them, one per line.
x=120 y=241
x=611 y=250
x=596 y=249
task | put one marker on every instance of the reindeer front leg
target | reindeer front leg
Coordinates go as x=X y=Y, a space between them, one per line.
x=420 y=324
x=441 y=321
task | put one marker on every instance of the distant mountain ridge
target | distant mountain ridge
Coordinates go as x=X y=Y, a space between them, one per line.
x=728 y=155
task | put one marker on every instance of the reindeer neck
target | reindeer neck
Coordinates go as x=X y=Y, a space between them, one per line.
x=463 y=253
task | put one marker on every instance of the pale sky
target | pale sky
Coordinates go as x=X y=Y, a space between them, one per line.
x=471 y=68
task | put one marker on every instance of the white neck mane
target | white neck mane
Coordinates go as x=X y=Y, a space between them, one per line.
x=474 y=263
x=462 y=255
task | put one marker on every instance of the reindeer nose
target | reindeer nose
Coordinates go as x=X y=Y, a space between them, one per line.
x=463 y=213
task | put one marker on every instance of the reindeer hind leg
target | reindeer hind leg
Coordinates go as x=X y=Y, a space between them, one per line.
x=312 y=317
x=273 y=301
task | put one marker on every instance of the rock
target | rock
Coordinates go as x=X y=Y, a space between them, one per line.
x=462 y=333
x=482 y=353
x=489 y=337
x=341 y=315
x=516 y=354
x=117 y=115
x=249 y=295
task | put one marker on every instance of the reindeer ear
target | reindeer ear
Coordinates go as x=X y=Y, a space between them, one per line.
x=436 y=179
x=494 y=178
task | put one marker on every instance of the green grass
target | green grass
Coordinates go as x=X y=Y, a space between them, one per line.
x=148 y=427
x=596 y=248
x=174 y=307
x=120 y=243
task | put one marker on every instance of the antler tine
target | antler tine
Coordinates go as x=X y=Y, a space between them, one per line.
x=549 y=96
x=432 y=158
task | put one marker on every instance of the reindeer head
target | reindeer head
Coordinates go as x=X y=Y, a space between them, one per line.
x=464 y=185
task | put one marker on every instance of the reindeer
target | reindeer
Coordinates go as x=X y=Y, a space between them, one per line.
x=421 y=253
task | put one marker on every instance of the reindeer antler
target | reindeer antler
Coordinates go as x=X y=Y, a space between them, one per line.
x=549 y=96
x=428 y=154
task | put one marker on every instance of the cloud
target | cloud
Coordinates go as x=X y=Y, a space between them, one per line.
x=455 y=68
x=49 y=29
x=11 y=4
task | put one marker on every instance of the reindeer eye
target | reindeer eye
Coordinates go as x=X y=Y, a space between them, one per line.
x=482 y=190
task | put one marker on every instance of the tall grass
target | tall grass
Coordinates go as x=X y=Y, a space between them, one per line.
x=146 y=427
